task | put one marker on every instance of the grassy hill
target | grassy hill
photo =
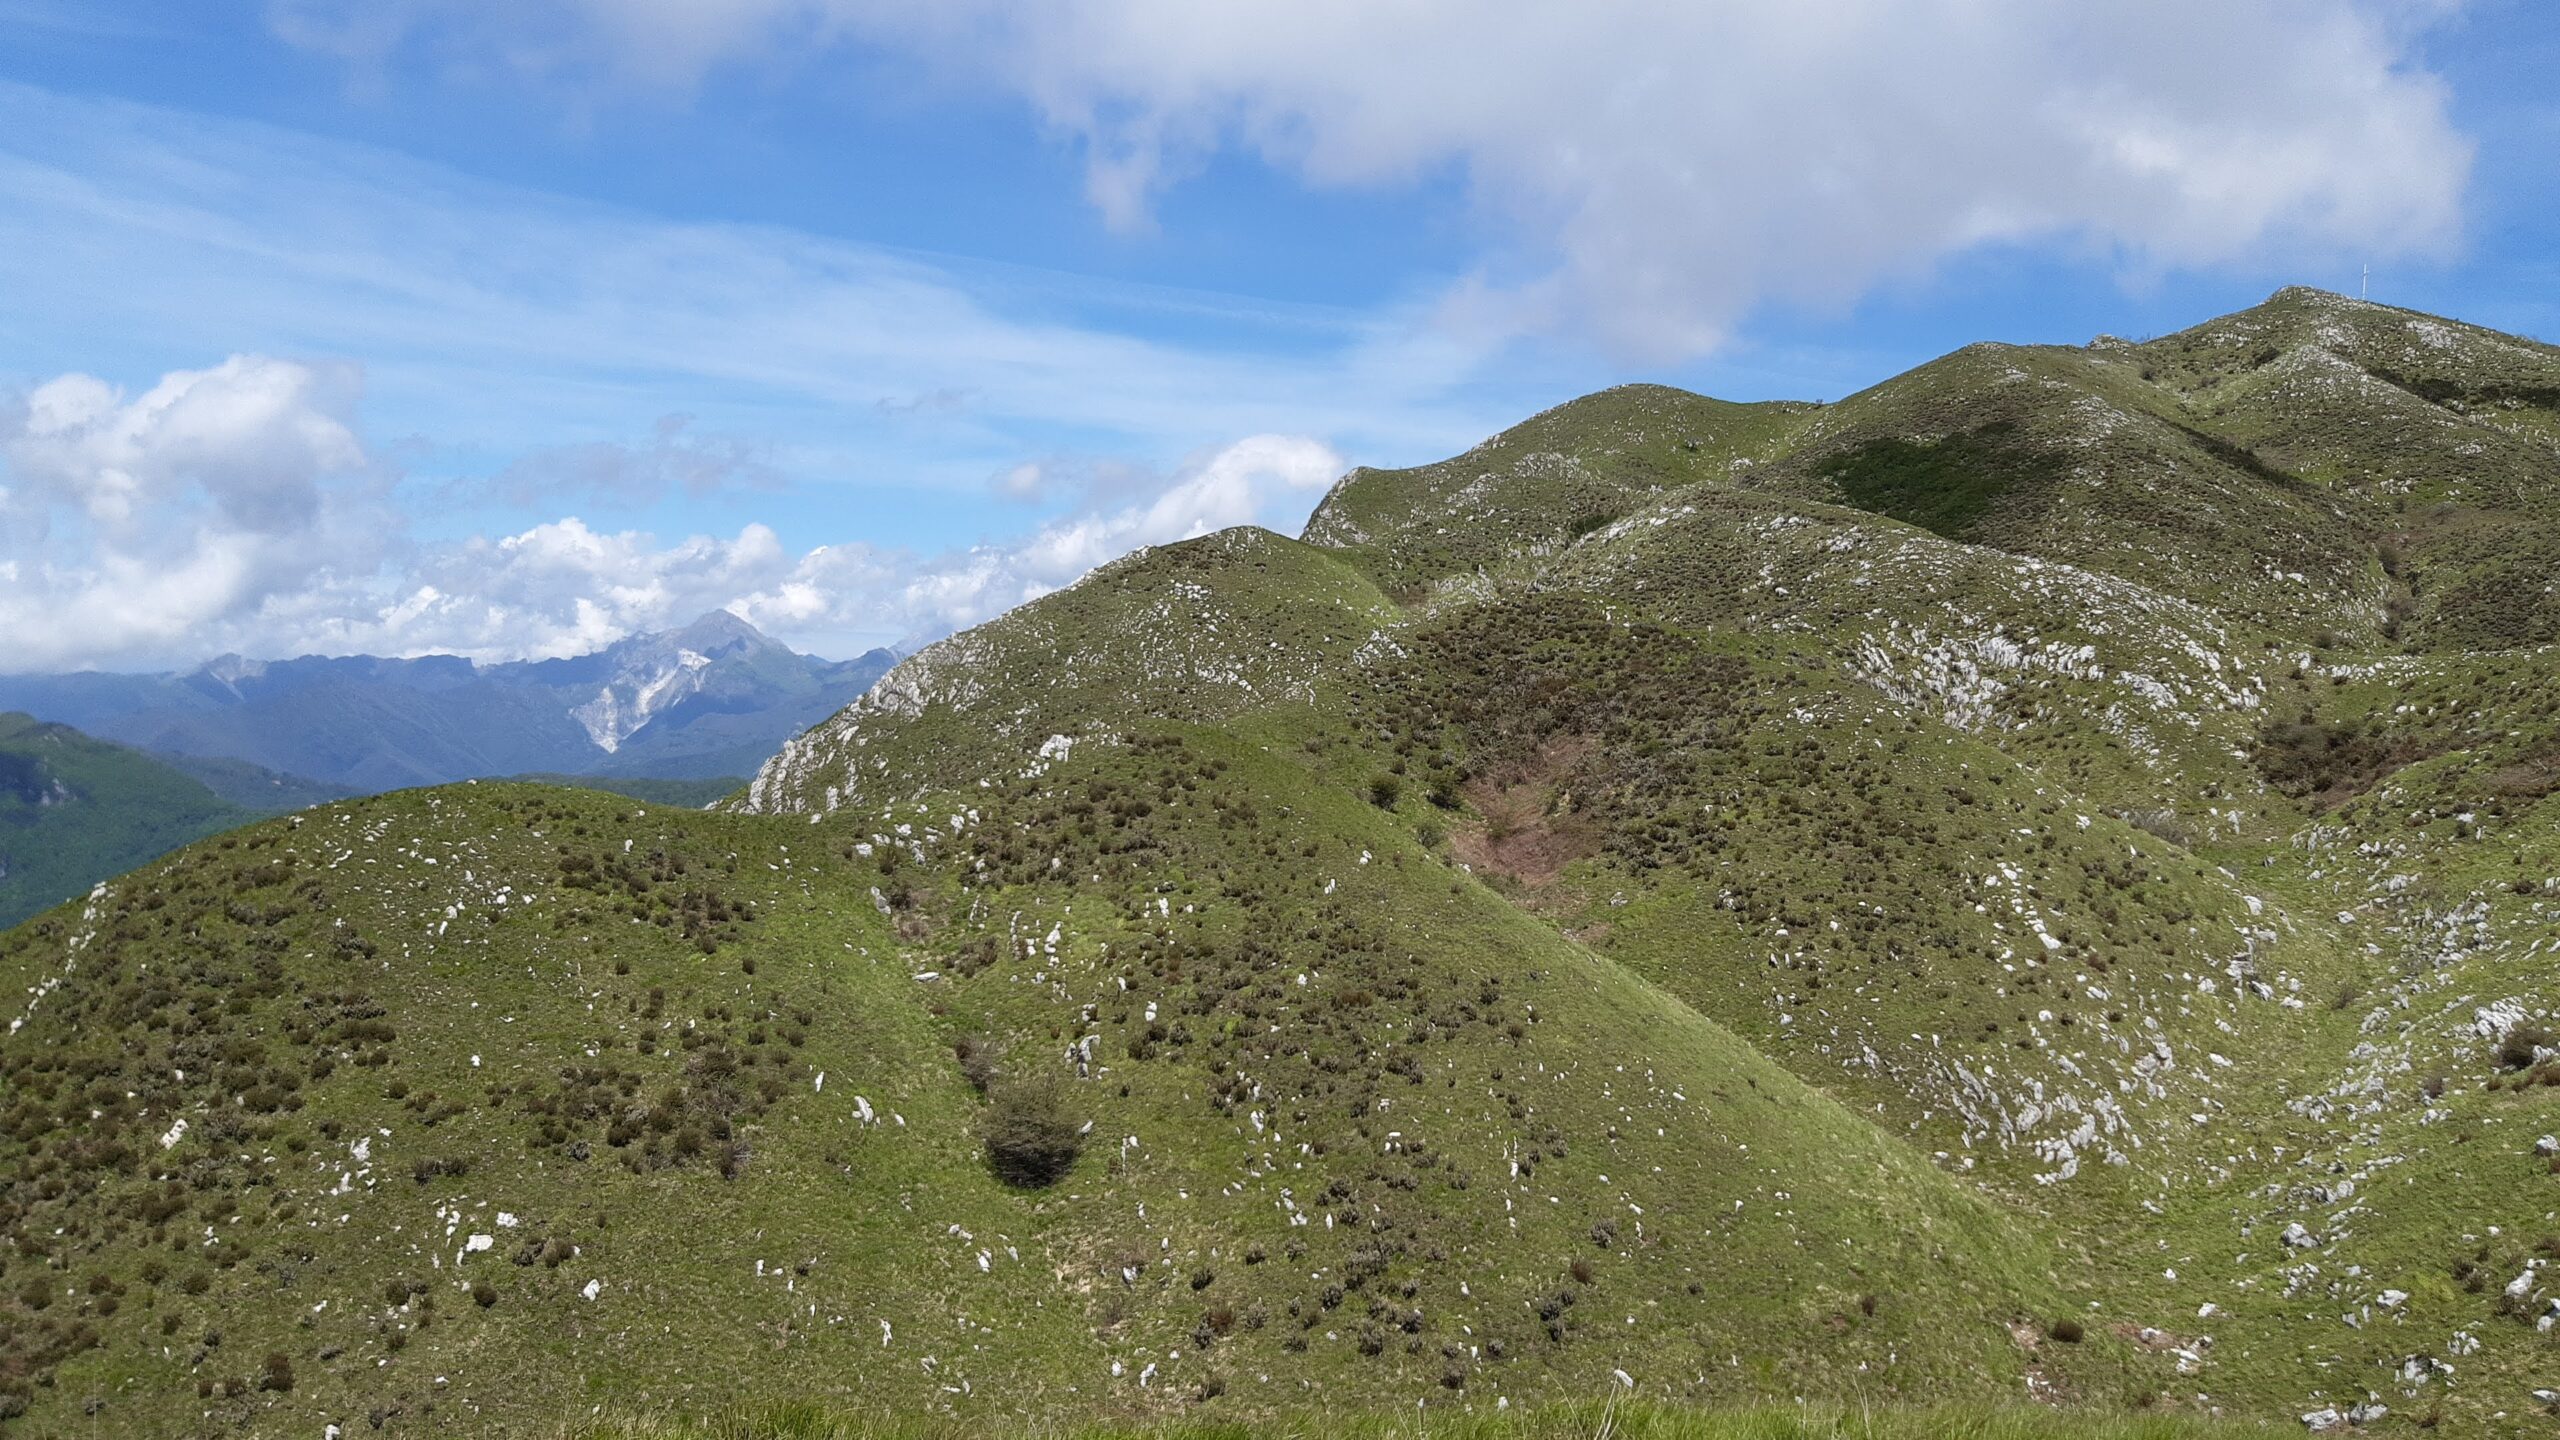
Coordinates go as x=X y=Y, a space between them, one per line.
x=74 y=811
x=2033 y=885
x=656 y=791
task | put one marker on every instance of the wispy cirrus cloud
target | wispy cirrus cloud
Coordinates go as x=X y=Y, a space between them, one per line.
x=861 y=402
x=1654 y=170
x=547 y=315
x=676 y=459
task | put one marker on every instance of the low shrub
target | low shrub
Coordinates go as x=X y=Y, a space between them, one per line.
x=1032 y=1139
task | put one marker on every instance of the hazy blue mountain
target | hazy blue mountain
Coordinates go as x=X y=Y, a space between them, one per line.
x=711 y=699
x=254 y=787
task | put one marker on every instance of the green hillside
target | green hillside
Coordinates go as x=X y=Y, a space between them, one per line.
x=2033 y=888
x=689 y=793
x=74 y=811
x=253 y=788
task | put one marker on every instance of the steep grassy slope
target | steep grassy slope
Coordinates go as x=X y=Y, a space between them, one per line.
x=1622 y=1419
x=74 y=811
x=2069 y=455
x=2002 y=803
x=1235 y=622
x=1361 y=1131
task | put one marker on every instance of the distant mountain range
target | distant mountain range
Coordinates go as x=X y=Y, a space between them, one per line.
x=714 y=698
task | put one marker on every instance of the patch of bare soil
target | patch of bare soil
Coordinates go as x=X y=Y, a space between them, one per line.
x=1530 y=827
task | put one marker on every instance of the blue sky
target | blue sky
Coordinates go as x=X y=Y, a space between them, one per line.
x=510 y=328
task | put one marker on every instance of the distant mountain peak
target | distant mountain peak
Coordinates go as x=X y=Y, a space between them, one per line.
x=231 y=669
x=637 y=692
x=715 y=696
x=711 y=631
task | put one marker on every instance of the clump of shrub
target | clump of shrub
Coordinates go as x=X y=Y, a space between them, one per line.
x=277 y=1373
x=2518 y=1047
x=977 y=1057
x=2161 y=824
x=1032 y=1137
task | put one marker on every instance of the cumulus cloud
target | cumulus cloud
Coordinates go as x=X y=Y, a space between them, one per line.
x=252 y=436
x=1658 y=169
x=1238 y=484
x=236 y=508
x=553 y=589
x=564 y=588
x=130 y=523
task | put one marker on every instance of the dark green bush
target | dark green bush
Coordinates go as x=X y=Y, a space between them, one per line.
x=1032 y=1138
x=2517 y=1047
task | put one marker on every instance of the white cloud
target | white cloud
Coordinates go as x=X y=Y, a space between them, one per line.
x=252 y=436
x=1658 y=168
x=1243 y=483
x=563 y=588
x=235 y=508
x=130 y=524
x=877 y=394
x=511 y=318
x=554 y=589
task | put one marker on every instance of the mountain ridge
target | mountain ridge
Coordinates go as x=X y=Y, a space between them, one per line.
x=1849 y=904
x=708 y=699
